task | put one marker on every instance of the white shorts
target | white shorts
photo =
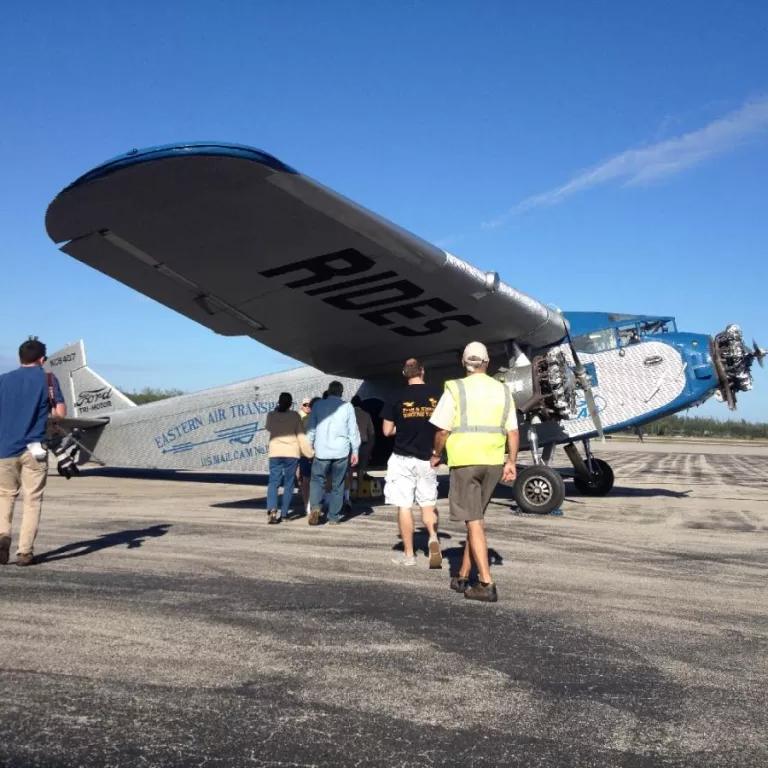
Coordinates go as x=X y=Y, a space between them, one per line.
x=410 y=481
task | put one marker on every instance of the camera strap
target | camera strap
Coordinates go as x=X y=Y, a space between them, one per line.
x=51 y=389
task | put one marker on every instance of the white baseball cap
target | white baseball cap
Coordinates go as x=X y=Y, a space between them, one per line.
x=475 y=352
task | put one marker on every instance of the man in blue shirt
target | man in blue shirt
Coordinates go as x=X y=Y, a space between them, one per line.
x=333 y=433
x=27 y=396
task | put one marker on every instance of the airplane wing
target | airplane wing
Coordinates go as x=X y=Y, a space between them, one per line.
x=241 y=243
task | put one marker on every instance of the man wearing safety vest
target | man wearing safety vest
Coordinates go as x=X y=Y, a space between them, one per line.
x=477 y=423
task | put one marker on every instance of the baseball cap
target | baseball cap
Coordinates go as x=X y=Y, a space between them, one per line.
x=305 y=401
x=475 y=352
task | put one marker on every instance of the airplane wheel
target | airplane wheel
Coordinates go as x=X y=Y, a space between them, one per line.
x=539 y=490
x=601 y=482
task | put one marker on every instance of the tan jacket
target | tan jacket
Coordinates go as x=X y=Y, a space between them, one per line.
x=284 y=429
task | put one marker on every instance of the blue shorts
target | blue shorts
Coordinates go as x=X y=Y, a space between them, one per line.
x=305 y=466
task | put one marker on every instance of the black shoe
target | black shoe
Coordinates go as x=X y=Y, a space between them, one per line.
x=5 y=549
x=486 y=593
x=459 y=584
x=274 y=517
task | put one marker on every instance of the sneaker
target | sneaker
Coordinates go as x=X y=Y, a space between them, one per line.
x=334 y=522
x=5 y=549
x=459 y=584
x=24 y=558
x=314 y=516
x=274 y=517
x=435 y=556
x=403 y=559
x=486 y=593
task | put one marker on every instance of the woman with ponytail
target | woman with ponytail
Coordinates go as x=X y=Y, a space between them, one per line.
x=284 y=427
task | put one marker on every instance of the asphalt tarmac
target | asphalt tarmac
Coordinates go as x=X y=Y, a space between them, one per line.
x=166 y=624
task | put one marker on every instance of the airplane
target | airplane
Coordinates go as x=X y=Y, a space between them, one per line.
x=238 y=241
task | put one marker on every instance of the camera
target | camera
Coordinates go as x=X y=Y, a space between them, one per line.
x=67 y=455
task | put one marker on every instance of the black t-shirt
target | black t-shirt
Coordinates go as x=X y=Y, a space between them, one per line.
x=411 y=409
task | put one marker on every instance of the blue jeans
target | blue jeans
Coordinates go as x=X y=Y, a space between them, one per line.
x=320 y=470
x=281 y=472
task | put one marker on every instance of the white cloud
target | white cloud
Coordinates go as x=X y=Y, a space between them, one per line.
x=658 y=161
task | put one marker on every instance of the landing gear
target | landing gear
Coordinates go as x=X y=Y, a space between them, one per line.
x=600 y=481
x=593 y=477
x=539 y=490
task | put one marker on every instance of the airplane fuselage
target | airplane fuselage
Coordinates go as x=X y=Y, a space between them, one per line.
x=636 y=378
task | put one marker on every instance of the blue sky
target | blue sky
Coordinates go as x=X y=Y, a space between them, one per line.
x=599 y=155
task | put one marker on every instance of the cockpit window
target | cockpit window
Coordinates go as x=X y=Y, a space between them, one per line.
x=598 y=341
x=632 y=333
x=658 y=326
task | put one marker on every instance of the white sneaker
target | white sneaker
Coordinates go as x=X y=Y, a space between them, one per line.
x=435 y=556
x=403 y=559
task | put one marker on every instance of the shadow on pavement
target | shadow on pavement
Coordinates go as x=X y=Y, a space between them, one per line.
x=454 y=556
x=183 y=476
x=131 y=538
x=640 y=493
x=421 y=541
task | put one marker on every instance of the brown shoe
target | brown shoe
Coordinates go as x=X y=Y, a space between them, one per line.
x=24 y=558
x=435 y=556
x=486 y=593
x=5 y=549
x=459 y=583
x=314 y=516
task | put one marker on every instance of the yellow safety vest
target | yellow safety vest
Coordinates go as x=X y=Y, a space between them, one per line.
x=479 y=432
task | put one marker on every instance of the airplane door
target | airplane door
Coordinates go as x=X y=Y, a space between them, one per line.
x=383 y=446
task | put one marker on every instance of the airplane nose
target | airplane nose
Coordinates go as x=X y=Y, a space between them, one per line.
x=732 y=360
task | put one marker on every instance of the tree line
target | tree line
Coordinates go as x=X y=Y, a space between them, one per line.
x=151 y=395
x=703 y=426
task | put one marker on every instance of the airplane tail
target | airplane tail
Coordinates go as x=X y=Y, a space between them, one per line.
x=86 y=394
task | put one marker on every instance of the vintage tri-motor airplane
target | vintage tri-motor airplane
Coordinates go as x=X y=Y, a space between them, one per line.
x=245 y=245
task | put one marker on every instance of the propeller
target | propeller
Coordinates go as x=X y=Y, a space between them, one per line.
x=582 y=377
x=758 y=354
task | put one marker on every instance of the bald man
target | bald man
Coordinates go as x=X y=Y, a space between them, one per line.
x=410 y=477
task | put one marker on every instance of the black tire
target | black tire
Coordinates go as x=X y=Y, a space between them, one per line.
x=539 y=490
x=602 y=480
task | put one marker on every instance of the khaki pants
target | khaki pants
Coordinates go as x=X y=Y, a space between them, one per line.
x=471 y=490
x=23 y=472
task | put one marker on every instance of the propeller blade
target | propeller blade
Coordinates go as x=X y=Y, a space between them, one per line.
x=759 y=354
x=584 y=382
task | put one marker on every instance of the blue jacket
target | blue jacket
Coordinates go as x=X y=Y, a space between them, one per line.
x=332 y=429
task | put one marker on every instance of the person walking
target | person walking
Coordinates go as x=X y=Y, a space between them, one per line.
x=332 y=432
x=476 y=421
x=411 y=479
x=284 y=427
x=27 y=396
